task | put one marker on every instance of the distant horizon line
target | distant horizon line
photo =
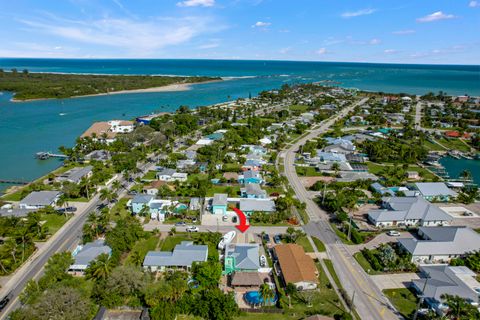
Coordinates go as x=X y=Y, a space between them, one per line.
x=258 y=60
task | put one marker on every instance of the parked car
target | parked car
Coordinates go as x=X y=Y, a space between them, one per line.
x=61 y=210
x=132 y=193
x=71 y=209
x=234 y=219
x=393 y=233
x=180 y=224
x=224 y=218
x=5 y=301
x=193 y=229
x=277 y=239
x=266 y=238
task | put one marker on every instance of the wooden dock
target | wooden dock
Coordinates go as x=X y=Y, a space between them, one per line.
x=47 y=155
x=12 y=181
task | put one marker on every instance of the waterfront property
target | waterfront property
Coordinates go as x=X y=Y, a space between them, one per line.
x=84 y=255
x=75 y=175
x=438 y=280
x=182 y=257
x=40 y=199
x=408 y=211
x=441 y=244
x=435 y=191
x=295 y=267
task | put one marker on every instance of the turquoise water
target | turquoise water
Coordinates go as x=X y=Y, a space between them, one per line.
x=29 y=127
x=455 y=166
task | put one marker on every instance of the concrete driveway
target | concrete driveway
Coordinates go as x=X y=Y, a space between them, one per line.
x=378 y=240
x=394 y=281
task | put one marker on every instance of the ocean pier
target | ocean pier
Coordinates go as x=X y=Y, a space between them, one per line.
x=47 y=155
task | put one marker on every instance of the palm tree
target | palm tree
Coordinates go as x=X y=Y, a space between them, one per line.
x=116 y=185
x=266 y=293
x=459 y=308
x=100 y=268
x=24 y=234
x=136 y=258
x=107 y=194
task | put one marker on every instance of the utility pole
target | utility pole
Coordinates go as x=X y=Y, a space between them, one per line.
x=420 y=300
x=349 y=225
x=324 y=191
x=353 y=302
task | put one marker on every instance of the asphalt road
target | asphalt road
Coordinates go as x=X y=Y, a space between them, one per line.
x=369 y=301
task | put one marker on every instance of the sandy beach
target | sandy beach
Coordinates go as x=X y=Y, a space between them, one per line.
x=167 y=88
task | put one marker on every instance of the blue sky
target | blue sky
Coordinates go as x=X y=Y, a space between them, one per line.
x=407 y=31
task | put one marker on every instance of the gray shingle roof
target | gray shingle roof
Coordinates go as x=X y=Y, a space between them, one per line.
x=75 y=174
x=183 y=255
x=40 y=198
x=90 y=252
x=246 y=255
x=220 y=199
x=443 y=279
x=255 y=189
x=432 y=189
x=262 y=205
x=15 y=212
x=408 y=208
x=142 y=198
x=442 y=241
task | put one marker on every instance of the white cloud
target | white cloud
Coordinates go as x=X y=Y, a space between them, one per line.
x=403 y=32
x=473 y=4
x=140 y=38
x=285 y=50
x=436 y=16
x=390 y=51
x=358 y=13
x=261 y=24
x=196 y=3
x=375 y=41
x=321 y=51
x=213 y=43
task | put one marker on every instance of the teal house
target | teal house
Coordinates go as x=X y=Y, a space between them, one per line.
x=219 y=203
x=242 y=258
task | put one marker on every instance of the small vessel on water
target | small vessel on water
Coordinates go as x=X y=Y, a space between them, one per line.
x=62 y=114
x=226 y=239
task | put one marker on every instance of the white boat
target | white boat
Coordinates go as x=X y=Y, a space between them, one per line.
x=226 y=239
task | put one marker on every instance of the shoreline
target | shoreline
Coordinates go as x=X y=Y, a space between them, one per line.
x=168 y=88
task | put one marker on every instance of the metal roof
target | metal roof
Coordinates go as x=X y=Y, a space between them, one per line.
x=40 y=198
x=88 y=253
x=183 y=255
x=263 y=205
x=246 y=255
x=220 y=199
x=432 y=189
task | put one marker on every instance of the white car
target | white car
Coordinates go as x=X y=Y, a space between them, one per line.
x=393 y=233
x=192 y=229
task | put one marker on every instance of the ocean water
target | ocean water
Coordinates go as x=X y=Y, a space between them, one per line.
x=29 y=127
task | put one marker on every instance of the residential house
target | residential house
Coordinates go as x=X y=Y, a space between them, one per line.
x=75 y=175
x=9 y=211
x=253 y=191
x=121 y=126
x=441 y=244
x=230 y=176
x=355 y=176
x=380 y=189
x=100 y=131
x=242 y=257
x=307 y=117
x=153 y=186
x=437 y=191
x=408 y=211
x=182 y=257
x=250 y=176
x=165 y=174
x=180 y=176
x=140 y=202
x=296 y=267
x=252 y=165
x=40 y=199
x=194 y=204
x=249 y=206
x=219 y=203
x=413 y=175
x=185 y=164
x=83 y=255
x=438 y=280
x=98 y=155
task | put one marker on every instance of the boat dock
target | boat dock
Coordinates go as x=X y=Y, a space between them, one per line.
x=12 y=181
x=47 y=155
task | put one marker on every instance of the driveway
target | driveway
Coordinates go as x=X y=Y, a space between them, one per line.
x=378 y=240
x=394 y=281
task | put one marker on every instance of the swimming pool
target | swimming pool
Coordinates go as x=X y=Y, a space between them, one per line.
x=255 y=298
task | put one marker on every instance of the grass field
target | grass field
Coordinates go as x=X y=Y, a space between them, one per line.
x=54 y=221
x=298 y=107
x=307 y=246
x=432 y=146
x=150 y=175
x=120 y=210
x=319 y=244
x=143 y=246
x=454 y=144
x=403 y=300
x=232 y=191
x=307 y=172
x=332 y=272
x=377 y=169
x=364 y=263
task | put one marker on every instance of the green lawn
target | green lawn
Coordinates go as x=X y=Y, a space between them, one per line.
x=298 y=107
x=365 y=264
x=430 y=146
x=230 y=190
x=377 y=169
x=403 y=300
x=319 y=244
x=120 y=210
x=231 y=167
x=143 y=246
x=305 y=243
x=341 y=235
x=54 y=221
x=303 y=215
x=454 y=144
x=170 y=242
x=307 y=172
x=332 y=272
x=150 y=175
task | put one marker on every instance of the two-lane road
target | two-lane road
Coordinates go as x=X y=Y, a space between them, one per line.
x=369 y=302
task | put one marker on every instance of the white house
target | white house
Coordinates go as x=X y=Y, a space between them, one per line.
x=40 y=199
x=121 y=126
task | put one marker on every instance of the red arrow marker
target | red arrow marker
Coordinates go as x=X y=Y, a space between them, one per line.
x=243 y=226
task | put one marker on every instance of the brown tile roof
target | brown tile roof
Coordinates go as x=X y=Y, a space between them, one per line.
x=249 y=279
x=230 y=175
x=99 y=128
x=296 y=266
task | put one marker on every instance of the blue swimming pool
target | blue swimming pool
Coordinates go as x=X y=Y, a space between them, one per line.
x=255 y=298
